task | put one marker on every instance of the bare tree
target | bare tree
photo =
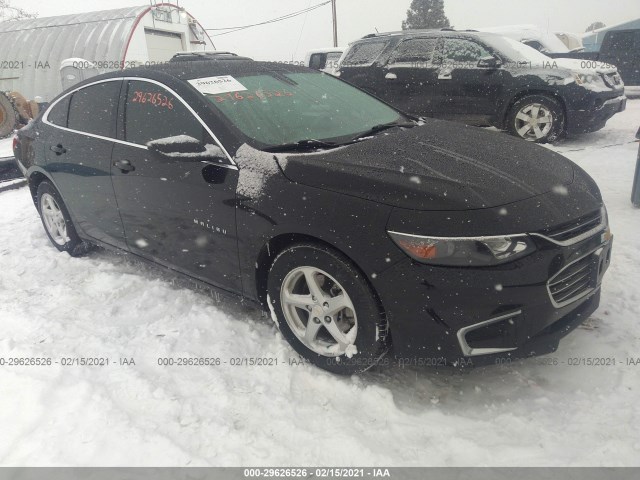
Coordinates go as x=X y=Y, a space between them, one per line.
x=9 y=12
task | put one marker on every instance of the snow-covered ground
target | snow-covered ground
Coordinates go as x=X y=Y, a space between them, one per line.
x=528 y=414
x=6 y=149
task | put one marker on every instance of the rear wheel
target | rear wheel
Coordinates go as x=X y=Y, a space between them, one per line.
x=57 y=221
x=537 y=118
x=326 y=310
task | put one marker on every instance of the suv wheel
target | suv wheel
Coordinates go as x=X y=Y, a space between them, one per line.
x=536 y=118
x=57 y=222
x=326 y=310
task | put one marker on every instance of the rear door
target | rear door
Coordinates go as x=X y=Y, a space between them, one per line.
x=175 y=212
x=78 y=147
x=411 y=76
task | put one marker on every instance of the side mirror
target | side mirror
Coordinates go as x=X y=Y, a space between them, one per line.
x=185 y=149
x=489 y=62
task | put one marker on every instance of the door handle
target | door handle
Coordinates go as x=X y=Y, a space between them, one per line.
x=124 y=166
x=58 y=149
x=391 y=76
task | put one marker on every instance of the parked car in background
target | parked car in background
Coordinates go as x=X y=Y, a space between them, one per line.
x=484 y=79
x=572 y=41
x=530 y=35
x=620 y=48
x=325 y=60
x=230 y=172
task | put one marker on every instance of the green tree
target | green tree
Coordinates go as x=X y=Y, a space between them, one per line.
x=595 y=26
x=426 y=14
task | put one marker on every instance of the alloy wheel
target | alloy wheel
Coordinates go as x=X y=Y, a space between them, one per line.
x=534 y=121
x=54 y=219
x=319 y=311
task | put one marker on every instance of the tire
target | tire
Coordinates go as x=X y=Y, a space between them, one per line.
x=361 y=324
x=8 y=116
x=57 y=221
x=529 y=111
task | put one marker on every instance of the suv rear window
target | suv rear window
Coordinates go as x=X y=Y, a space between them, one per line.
x=364 y=53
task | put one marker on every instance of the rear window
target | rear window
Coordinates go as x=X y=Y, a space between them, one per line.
x=59 y=113
x=93 y=109
x=364 y=53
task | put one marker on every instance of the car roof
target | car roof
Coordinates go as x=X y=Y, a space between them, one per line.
x=189 y=70
x=445 y=32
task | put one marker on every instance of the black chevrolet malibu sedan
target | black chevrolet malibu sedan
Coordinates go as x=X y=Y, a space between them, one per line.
x=361 y=229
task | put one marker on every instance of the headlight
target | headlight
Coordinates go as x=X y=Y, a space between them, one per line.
x=467 y=251
x=589 y=80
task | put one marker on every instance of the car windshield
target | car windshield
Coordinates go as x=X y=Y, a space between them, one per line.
x=276 y=109
x=516 y=51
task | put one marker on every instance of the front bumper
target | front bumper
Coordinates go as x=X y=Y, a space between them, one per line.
x=477 y=316
x=594 y=116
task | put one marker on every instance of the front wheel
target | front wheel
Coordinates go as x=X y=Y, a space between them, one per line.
x=57 y=221
x=326 y=309
x=537 y=118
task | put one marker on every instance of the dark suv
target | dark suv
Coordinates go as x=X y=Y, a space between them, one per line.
x=484 y=79
x=357 y=226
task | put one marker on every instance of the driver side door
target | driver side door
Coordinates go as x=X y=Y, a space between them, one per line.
x=176 y=211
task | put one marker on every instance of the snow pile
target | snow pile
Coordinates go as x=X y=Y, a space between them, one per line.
x=255 y=169
x=530 y=414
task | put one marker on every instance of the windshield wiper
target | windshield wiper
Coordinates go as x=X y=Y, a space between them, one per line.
x=379 y=128
x=301 y=145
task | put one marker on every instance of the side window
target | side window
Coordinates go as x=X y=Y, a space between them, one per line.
x=59 y=113
x=364 y=53
x=93 y=109
x=461 y=53
x=317 y=61
x=418 y=51
x=535 y=44
x=152 y=113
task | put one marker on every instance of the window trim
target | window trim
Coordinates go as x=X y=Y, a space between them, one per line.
x=45 y=117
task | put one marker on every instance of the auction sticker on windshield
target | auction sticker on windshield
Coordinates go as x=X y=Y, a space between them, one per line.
x=216 y=85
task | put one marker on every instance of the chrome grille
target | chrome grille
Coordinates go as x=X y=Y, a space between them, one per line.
x=575 y=228
x=574 y=281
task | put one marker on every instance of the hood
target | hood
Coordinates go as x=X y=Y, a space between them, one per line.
x=437 y=166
